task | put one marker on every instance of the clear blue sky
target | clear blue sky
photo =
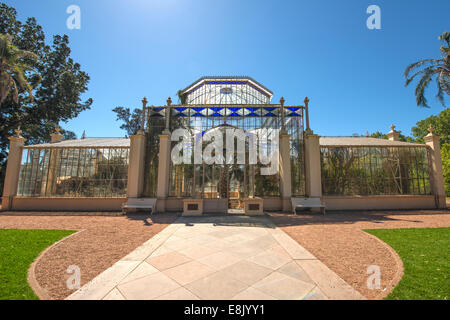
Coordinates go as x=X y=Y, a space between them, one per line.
x=320 y=49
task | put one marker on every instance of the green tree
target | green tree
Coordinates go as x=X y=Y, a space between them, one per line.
x=58 y=94
x=402 y=137
x=13 y=65
x=131 y=121
x=440 y=124
x=432 y=68
x=445 y=152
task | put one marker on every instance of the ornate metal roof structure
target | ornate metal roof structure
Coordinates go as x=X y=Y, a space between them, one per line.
x=226 y=90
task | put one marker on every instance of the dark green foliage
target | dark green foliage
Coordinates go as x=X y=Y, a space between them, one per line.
x=441 y=126
x=57 y=81
x=402 y=137
x=131 y=121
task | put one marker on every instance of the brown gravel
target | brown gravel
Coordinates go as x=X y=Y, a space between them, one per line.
x=339 y=241
x=102 y=241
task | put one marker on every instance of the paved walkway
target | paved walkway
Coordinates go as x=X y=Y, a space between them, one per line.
x=231 y=257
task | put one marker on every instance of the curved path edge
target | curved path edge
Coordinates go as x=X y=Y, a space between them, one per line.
x=399 y=270
x=31 y=278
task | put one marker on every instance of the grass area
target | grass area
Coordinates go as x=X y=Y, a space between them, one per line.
x=426 y=258
x=18 y=250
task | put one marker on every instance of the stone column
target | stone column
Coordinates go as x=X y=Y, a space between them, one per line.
x=136 y=165
x=57 y=136
x=394 y=135
x=312 y=165
x=437 y=177
x=55 y=157
x=285 y=171
x=162 y=191
x=12 y=169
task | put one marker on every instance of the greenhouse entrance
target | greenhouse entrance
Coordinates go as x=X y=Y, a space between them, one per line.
x=231 y=179
x=214 y=107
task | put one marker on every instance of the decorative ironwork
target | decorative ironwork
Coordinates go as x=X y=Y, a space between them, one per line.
x=227 y=90
x=375 y=170
x=74 y=172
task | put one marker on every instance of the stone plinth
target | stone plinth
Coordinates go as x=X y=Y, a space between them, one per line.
x=254 y=206
x=192 y=207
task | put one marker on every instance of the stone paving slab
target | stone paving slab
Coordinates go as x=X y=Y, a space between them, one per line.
x=225 y=257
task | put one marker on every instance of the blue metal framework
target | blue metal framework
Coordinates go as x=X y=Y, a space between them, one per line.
x=227 y=111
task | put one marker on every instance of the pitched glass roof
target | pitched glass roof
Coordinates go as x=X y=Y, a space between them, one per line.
x=226 y=90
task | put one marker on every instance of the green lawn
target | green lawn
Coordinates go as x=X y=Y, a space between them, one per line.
x=426 y=258
x=18 y=249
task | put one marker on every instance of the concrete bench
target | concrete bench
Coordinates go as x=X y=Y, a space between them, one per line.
x=307 y=203
x=133 y=205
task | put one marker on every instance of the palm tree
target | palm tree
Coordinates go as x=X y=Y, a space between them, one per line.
x=429 y=69
x=13 y=65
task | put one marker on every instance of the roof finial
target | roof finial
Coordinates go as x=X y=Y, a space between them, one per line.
x=58 y=129
x=306 y=101
x=308 y=129
x=393 y=128
x=169 y=101
x=283 y=125
x=18 y=132
x=144 y=105
x=431 y=129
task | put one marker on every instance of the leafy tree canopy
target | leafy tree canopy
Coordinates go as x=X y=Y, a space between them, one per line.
x=57 y=94
x=440 y=124
x=131 y=121
x=402 y=137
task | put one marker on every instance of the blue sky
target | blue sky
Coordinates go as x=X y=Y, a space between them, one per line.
x=320 y=49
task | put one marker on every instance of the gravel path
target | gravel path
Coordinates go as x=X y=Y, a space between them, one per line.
x=339 y=241
x=336 y=239
x=100 y=243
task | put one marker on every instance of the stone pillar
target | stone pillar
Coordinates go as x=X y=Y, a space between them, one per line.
x=12 y=169
x=285 y=171
x=394 y=135
x=162 y=191
x=437 y=177
x=312 y=165
x=57 y=136
x=136 y=165
x=53 y=168
x=55 y=158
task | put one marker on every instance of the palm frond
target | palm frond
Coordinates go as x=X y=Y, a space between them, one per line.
x=440 y=93
x=421 y=86
x=408 y=80
x=429 y=62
